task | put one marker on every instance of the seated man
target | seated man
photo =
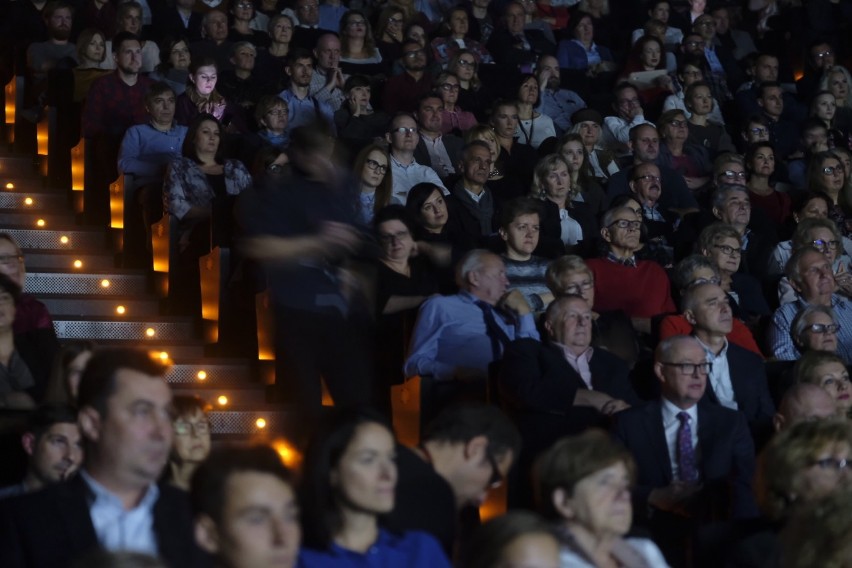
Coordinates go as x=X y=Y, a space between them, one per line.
x=512 y=45
x=804 y=402
x=812 y=277
x=737 y=376
x=640 y=288
x=646 y=186
x=304 y=109
x=245 y=507
x=557 y=103
x=628 y=114
x=459 y=336
x=694 y=459
x=45 y=55
x=466 y=451
x=478 y=203
x=54 y=449
x=441 y=152
x=405 y=171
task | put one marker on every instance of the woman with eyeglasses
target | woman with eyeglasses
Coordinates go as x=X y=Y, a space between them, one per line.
x=828 y=371
x=760 y=164
x=242 y=14
x=389 y=27
x=357 y=46
x=690 y=160
x=453 y=36
x=815 y=328
x=192 y=442
x=453 y=118
x=827 y=173
x=376 y=181
x=348 y=483
x=464 y=65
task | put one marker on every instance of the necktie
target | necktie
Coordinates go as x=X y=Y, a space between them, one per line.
x=685 y=451
x=497 y=335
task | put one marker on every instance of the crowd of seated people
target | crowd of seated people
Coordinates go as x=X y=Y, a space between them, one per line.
x=522 y=204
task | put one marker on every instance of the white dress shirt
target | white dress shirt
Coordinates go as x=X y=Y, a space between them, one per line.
x=671 y=426
x=720 y=376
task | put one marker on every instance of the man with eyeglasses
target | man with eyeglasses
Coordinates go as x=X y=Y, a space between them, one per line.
x=821 y=56
x=628 y=114
x=404 y=90
x=646 y=187
x=439 y=151
x=407 y=172
x=694 y=459
x=640 y=288
x=558 y=103
x=307 y=30
x=812 y=277
x=737 y=376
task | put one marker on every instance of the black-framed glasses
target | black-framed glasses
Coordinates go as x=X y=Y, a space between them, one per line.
x=184 y=428
x=392 y=21
x=356 y=23
x=404 y=130
x=376 y=167
x=625 y=224
x=831 y=170
x=466 y=63
x=823 y=328
x=577 y=287
x=413 y=54
x=700 y=281
x=496 y=479
x=647 y=178
x=733 y=175
x=831 y=463
x=729 y=250
x=677 y=123
x=450 y=87
x=826 y=53
x=704 y=368
x=388 y=238
x=759 y=131
x=10 y=259
x=826 y=245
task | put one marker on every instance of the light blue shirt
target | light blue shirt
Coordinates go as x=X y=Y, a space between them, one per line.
x=118 y=528
x=305 y=111
x=560 y=105
x=145 y=151
x=450 y=337
x=720 y=376
x=407 y=176
x=781 y=342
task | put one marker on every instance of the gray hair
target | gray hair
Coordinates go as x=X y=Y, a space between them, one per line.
x=609 y=216
x=471 y=262
x=801 y=234
x=791 y=269
x=723 y=191
x=562 y=265
x=797 y=328
x=686 y=268
x=667 y=346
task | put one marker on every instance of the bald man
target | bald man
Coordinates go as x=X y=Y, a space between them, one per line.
x=804 y=402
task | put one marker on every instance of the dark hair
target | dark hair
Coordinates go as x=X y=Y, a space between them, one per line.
x=517 y=207
x=575 y=20
x=157 y=89
x=187 y=404
x=209 y=483
x=356 y=81
x=385 y=188
x=640 y=45
x=166 y=45
x=118 y=559
x=752 y=151
x=801 y=200
x=188 y=148
x=46 y=415
x=122 y=37
x=523 y=79
x=98 y=382
x=393 y=213
x=489 y=541
x=53 y=6
x=296 y=54
x=462 y=423
x=57 y=390
x=761 y=88
x=196 y=64
x=10 y=286
x=693 y=61
x=417 y=196
x=319 y=503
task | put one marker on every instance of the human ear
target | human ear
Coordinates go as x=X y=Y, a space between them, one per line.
x=206 y=534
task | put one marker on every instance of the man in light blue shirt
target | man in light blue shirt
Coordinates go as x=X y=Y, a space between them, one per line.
x=556 y=102
x=459 y=336
x=304 y=108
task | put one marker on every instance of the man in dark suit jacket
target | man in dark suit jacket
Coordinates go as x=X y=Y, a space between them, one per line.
x=694 y=459
x=737 y=376
x=515 y=47
x=441 y=152
x=114 y=503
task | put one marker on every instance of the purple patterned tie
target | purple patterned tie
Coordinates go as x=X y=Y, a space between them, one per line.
x=685 y=452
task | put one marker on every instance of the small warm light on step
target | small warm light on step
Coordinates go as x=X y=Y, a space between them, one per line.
x=164 y=355
x=40 y=222
x=104 y=283
x=222 y=400
x=260 y=423
x=150 y=332
x=202 y=375
x=10 y=185
x=78 y=264
x=120 y=310
x=28 y=201
x=63 y=239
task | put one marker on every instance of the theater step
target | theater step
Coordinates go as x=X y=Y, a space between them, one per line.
x=22 y=200
x=112 y=283
x=189 y=348
x=138 y=329
x=60 y=238
x=53 y=260
x=244 y=421
x=101 y=306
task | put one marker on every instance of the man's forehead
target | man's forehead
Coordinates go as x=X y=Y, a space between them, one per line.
x=648 y=169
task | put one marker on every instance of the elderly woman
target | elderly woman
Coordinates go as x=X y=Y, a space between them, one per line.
x=91 y=52
x=454 y=119
x=563 y=219
x=445 y=47
x=587 y=124
x=518 y=538
x=191 y=440
x=815 y=329
x=373 y=165
x=584 y=488
x=823 y=235
x=810 y=205
x=690 y=160
x=174 y=64
x=272 y=61
x=828 y=371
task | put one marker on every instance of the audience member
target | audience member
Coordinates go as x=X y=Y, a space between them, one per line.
x=304 y=108
x=191 y=444
x=629 y=113
x=803 y=402
x=174 y=64
x=828 y=371
x=328 y=79
x=441 y=152
x=91 y=52
x=520 y=227
x=402 y=91
x=518 y=538
x=403 y=139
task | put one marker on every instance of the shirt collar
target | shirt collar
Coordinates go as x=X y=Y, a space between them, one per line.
x=587 y=354
x=104 y=496
x=630 y=261
x=670 y=412
x=709 y=351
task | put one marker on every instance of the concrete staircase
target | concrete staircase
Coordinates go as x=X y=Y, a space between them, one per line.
x=72 y=269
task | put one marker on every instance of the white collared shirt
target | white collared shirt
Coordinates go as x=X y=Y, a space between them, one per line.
x=671 y=426
x=407 y=176
x=438 y=154
x=574 y=361
x=720 y=376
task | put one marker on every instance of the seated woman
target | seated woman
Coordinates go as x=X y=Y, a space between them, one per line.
x=389 y=28
x=516 y=160
x=404 y=280
x=454 y=119
x=815 y=329
x=678 y=153
x=242 y=14
x=810 y=205
x=584 y=489
x=174 y=64
x=272 y=119
x=199 y=189
x=660 y=10
x=822 y=234
x=587 y=190
x=348 y=482
x=201 y=97
x=19 y=388
x=520 y=225
x=838 y=81
x=68 y=367
x=827 y=370
x=533 y=127
x=517 y=538
x=438 y=229
x=191 y=440
x=702 y=131
x=376 y=181
x=581 y=52
x=358 y=51
x=689 y=71
x=129 y=19
x=826 y=173
x=91 y=52
x=563 y=220
x=271 y=62
x=356 y=121
x=453 y=37
x=647 y=56
x=760 y=165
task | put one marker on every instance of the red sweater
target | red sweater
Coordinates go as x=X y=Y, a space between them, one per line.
x=642 y=292
x=740 y=334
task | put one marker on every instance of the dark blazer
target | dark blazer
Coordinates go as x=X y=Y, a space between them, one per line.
x=507 y=52
x=726 y=458
x=452 y=143
x=52 y=528
x=168 y=23
x=551 y=229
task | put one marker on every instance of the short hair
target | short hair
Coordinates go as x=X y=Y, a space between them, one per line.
x=122 y=37
x=683 y=274
x=470 y=262
x=45 y=416
x=764 y=85
x=417 y=196
x=806 y=366
x=561 y=266
x=98 y=382
x=666 y=347
x=426 y=96
x=296 y=54
x=622 y=86
x=501 y=103
x=542 y=169
x=688 y=296
x=787 y=455
x=474 y=144
x=355 y=81
x=726 y=158
x=668 y=117
x=209 y=482
x=753 y=149
x=609 y=214
x=462 y=423
x=393 y=212
x=239 y=45
x=791 y=269
x=397 y=116
x=812 y=123
x=489 y=542
x=801 y=236
x=266 y=104
x=633 y=134
x=188 y=149
x=713 y=234
x=85 y=38
x=554 y=308
x=54 y=5
x=720 y=196
x=570 y=460
x=275 y=19
x=690 y=90
x=157 y=89
x=800 y=200
x=187 y=405
x=800 y=321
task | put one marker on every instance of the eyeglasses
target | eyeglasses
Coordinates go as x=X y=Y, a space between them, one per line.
x=245 y=5
x=823 y=245
x=450 y=87
x=183 y=428
x=759 y=131
x=467 y=63
x=647 y=178
x=376 y=167
x=700 y=281
x=393 y=21
x=826 y=53
x=356 y=23
x=10 y=259
x=496 y=479
x=677 y=123
x=413 y=54
x=404 y=130
x=578 y=287
x=733 y=175
x=823 y=328
x=730 y=251
x=831 y=170
x=277 y=112
x=388 y=238
x=691 y=368
x=625 y=224
x=831 y=463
